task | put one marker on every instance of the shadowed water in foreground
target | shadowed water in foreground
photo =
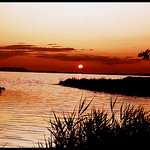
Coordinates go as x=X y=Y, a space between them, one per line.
x=130 y=86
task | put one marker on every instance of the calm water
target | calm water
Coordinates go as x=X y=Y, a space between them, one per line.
x=30 y=97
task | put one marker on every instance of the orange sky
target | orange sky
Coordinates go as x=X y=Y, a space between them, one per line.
x=104 y=37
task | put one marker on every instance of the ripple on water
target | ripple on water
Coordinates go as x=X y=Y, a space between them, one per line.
x=30 y=97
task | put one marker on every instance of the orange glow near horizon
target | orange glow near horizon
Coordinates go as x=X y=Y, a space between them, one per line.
x=107 y=37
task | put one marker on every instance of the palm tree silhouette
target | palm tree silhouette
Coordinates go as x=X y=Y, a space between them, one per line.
x=145 y=54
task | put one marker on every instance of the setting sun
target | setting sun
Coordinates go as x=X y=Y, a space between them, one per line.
x=54 y=37
x=80 y=66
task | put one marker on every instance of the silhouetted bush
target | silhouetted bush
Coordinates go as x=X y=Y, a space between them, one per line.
x=131 y=86
x=99 y=129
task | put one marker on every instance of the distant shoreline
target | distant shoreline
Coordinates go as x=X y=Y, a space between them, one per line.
x=17 y=69
x=129 y=86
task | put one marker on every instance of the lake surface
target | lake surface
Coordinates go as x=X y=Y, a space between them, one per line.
x=30 y=97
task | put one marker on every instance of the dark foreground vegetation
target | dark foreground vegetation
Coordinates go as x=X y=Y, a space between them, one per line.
x=100 y=129
x=130 y=86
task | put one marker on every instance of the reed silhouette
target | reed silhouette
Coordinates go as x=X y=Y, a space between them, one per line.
x=99 y=129
x=131 y=86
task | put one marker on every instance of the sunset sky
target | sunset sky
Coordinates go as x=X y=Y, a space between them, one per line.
x=103 y=37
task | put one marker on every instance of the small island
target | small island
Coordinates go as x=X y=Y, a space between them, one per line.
x=129 y=86
x=1 y=89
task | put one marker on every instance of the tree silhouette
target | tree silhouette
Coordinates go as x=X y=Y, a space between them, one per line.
x=144 y=54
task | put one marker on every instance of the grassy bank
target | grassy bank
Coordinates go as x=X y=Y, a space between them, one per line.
x=99 y=130
x=130 y=86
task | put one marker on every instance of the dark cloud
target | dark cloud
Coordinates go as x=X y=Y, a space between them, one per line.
x=15 y=47
x=22 y=49
x=46 y=52
x=36 y=48
x=85 y=57
x=7 y=54
x=52 y=44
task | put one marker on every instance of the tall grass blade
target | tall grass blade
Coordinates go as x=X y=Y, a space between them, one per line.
x=4 y=145
x=82 y=104
x=86 y=107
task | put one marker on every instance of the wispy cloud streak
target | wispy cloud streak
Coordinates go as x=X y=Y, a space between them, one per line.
x=30 y=50
x=60 y=53
x=85 y=57
x=33 y=48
